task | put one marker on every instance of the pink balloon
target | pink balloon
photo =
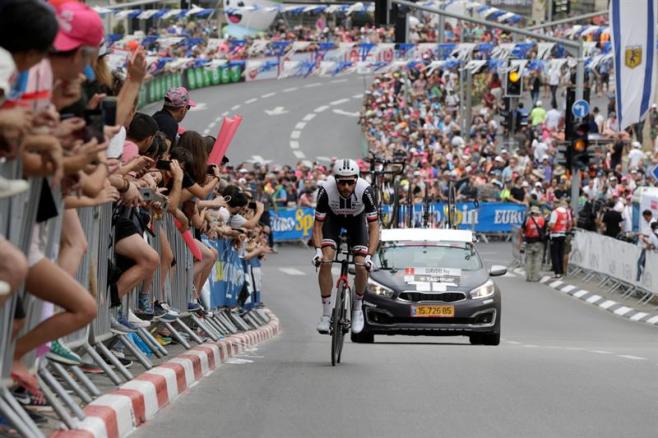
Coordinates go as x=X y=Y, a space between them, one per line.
x=229 y=127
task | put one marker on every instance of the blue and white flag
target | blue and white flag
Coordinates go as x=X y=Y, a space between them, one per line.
x=633 y=25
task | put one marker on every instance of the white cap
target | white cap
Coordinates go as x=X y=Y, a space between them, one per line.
x=539 y=103
x=636 y=144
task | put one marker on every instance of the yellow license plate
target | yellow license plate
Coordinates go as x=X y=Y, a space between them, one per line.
x=433 y=311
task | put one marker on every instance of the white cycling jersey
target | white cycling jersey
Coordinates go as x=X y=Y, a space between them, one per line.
x=331 y=201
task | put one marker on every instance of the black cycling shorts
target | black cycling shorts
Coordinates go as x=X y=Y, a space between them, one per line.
x=355 y=227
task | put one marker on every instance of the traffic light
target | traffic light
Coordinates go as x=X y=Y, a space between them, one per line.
x=579 y=147
x=514 y=82
x=561 y=7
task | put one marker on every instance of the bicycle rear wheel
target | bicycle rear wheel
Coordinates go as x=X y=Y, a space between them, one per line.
x=337 y=326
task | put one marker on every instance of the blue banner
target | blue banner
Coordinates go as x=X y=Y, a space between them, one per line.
x=489 y=217
x=227 y=276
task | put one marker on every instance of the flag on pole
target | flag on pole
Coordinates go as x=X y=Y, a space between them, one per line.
x=633 y=25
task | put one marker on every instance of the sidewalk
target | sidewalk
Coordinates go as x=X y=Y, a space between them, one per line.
x=594 y=293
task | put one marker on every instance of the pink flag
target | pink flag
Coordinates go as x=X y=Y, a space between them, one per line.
x=224 y=138
x=189 y=241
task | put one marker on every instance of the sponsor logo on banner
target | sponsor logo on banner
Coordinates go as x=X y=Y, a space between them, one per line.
x=633 y=56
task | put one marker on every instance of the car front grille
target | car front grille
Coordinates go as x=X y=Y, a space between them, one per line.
x=446 y=297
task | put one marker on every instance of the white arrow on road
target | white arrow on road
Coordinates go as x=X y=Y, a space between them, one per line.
x=279 y=110
x=346 y=113
x=200 y=106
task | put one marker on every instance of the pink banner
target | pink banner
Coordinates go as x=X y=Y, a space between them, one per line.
x=229 y=127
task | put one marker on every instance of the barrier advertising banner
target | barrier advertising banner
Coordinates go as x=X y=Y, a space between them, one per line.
x=227 y=276
x=291 y=224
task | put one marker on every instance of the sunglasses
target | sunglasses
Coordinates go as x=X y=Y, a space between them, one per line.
x=346 y=182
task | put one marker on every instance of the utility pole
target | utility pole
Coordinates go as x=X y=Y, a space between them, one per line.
x=441 y=32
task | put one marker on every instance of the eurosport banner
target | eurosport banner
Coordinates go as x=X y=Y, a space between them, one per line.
x=289 y=224
x=227 y=277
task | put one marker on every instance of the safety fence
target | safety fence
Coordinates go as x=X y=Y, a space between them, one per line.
x=232 y=298
x=620 y=266
x=292 y=224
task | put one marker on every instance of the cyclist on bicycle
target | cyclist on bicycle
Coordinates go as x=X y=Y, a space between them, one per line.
x=345 y=201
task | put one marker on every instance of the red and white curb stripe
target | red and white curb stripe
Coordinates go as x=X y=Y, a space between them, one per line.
x=116 y=414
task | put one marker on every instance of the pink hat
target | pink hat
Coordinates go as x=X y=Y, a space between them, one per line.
x=79 y=25
x=178 y=97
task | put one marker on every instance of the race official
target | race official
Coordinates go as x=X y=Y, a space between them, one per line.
x=559 y=226
x=534 y=230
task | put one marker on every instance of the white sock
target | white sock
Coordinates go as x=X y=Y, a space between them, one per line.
x=326 y=306
x=358 y=302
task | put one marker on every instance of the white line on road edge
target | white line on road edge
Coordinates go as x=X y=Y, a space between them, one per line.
x=321 y=108
x=294 y=144
x=556 y=283
x=300 y=125
x=607 y=304
x=295 y=134
x=265 y=96
x=599 y=351
x=514 y=342
x=357 y=96
x=622 y=311
x=594 y=299
x=234 y=107
x=339 y=102
x=568 y=288
x=631 y=357
x=314 y=84
x=638 y=316
x=580 y=293
x=346 y=113
x=338 y=81
x=291 y=271
x=299 y=154
x=309 y=117
x=653 y=320
x=288 y=90
x=250 y=101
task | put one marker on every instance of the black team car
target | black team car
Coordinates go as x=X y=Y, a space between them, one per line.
x=431 y=282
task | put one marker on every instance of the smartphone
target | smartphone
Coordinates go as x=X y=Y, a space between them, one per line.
x=252 y=205
x=109 y=109
x=163 y=165
x=210 y=169
x=94 y=125
x=147 y=194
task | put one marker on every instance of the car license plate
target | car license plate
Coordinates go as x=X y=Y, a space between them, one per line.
x=433 y=311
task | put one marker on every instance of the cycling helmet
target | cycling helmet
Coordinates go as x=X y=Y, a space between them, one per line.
x=345 y=168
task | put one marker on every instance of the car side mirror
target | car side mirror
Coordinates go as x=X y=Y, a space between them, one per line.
x=497 y=271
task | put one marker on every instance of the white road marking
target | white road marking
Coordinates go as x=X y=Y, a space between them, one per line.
x=289 y=90
x=339 y=101
x=653 y=320
x=309 y=117
x=580 y=293
x=277 y=111
x=234 y=107
x=237 y=361
x=622 y=311
x=295 y=134
x=357 y=96
x=607 y=304
x=514 y=342
x=338 y=81
x=300 y=125
x=568 y=288
x=299 y=154
x=265 y=96
x=321 y=108
x=323 y=159
x=638 y=316
x=200 y=106
x=631 y=357
x=599 y=351
x=250 y=101
x=531 y=346
x=292 y=271
x=346 y=113
x=594 y=299
x=206 y=131
x=313 y=85
x=294 y=144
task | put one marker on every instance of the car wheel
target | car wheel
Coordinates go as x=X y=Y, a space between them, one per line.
x=476 y=339
x=491 y=339
x=363 y=338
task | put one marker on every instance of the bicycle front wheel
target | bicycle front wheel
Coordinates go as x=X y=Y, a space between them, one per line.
x=337 y=326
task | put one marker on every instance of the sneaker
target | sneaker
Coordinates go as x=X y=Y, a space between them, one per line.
x=323 y=326
x=357 y=321
x=12 y=187
x=194 y=306
x=163 y=315
x=163 y=340
x=31 y=401
x=125 y=362
x=118 y=354
x=118 y=328
x=170 y=309
x=124 y=321
x=145 y=307
x=136 y=321
x=62 y=354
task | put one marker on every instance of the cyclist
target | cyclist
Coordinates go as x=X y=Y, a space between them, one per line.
x=345 y=201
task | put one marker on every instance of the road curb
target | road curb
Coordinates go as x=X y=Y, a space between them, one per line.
x=597 y=300
x=119 y=412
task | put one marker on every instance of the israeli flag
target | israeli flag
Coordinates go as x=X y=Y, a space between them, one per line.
x=633 y=25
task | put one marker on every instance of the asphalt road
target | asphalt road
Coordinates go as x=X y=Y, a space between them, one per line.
x=317 y=114
x=563 y=369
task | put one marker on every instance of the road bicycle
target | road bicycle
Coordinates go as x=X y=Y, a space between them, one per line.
x=340 y=322
x=380 y=169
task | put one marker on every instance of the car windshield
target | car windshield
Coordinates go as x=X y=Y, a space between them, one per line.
x=426 y=256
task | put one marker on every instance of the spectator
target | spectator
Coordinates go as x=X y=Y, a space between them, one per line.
x=177 y=103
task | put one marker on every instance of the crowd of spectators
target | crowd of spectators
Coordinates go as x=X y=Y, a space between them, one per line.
x=64 y=120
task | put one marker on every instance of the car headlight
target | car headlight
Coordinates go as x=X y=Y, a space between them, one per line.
x=378 y=289
x=484 y=291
